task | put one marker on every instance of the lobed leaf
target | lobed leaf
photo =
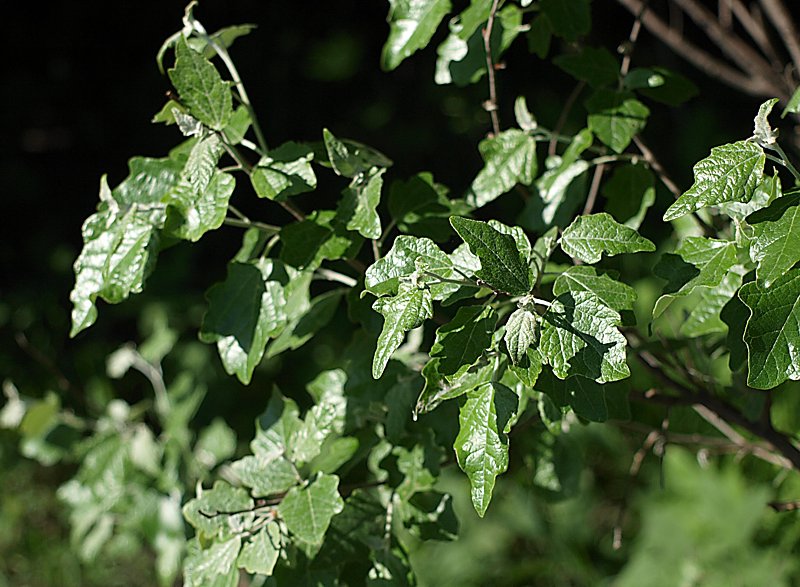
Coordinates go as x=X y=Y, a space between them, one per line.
x=285 y=171
x=401 y=313
x=307 y=511
x=775 y=245
x=358 y=206
x=408 y=255
x=509 y=159
x=612 y=293
x=616 y=117
x=729 y=174
x=589 y=237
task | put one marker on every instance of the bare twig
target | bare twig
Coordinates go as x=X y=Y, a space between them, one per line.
x=784 y=506
x=562 y=117
x=656 y=166
x=754 y=86
x=491 y=104
x=783 y=23
x=636 y=465
x=755 y=28
x=632 y=38
x=594 y=188
x=45 y=361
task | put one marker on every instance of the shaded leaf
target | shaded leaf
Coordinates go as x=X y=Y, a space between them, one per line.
x=775 y=246
x=597 y=67
x=358 y=206
x=284 y=171
x=612 y=293
x=569 y=19
x=616 y=117
x=662 y=85
x=772 y=333
x=630 y=192
x=461 y=341
x=705 y=315
x=260 y=553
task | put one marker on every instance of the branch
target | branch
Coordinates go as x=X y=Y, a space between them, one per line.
x=755 y=28
x=696 y=56
x=491 y=104
x=782 y=21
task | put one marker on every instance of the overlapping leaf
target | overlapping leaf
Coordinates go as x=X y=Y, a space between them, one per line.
x=612 y=293
x=580 y=337
x=359 y=203
x=775 y=246
x=729 y=174
x=307 y=511
x=284 y=171
x=616 y=117
x=245 y=311
x=461 y=341
x=502 y=266
x=772 y=333
x=401 y=313
x=589 y=237
x=521 y=332
x=407 y=255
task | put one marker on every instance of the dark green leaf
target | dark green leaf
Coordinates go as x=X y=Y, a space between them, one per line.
x=482 y=442
x=509 y=159
x=772 y=334
x=616 y=117
x=244 y=312
x=539 y=36
x=461 y=341
x=569 y=19
x=412 y=24
x=300 y=330
x=729 y=174
x=597 y=67
x=307 y=511
x=349 y=158
x=200 y=87
x=358 y=207
x=630 y=192
x=502 y=267
x=589 y=237
x=306 y=244
x=662 y=85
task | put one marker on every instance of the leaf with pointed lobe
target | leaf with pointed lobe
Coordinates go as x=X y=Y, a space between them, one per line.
x=775 y=246
x=509 y=159
x=589 y=237
x=616 y=117
x=401 y=313
x=307 y=511
x=285 y=171
x=614 y=294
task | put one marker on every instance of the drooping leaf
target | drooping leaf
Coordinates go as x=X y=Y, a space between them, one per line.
x=245 y=311
x=597 y=67
x=401 y=313
x=775 y=246
x=439 y=388
x=630 y=192
x=589 y=237
x=509 y=159
x=569 y=19
x=699 y=262
x=412 y=24
x=616 y=117
x=729 y=174
x=580 y=337
x=614 y=294
x=521 y=333
x=307 y=511
x=525 y=120
x=482 y=442
x=284 y=171
x=502 y=267
x=772 y=333
x=359 y=203
x=461 y=341
x=200 y=87
x=407 y=255
x=121 y=242
x=349 y=158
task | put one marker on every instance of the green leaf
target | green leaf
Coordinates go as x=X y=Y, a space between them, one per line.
x=580 y=337
x=793 y=106
x=700 y=262
x=461 y=341
x=588 y=237
x=261 y=552
x=612 y=293
x=616 y=117
x=729 y=174
x=525 y=120
x=662 y=85
x=411 y=26
x=482 y=442
x=420 y=206
x=200 y=87
x=763 y=133
x=705 y=315
x=224 y=37
x=439 y=388
x=502 y=267
x=307 y=511
x=349 y=158
x=509 y=159
x=597 y=67
x=301 y=329
x=284 y=171
x=401 y=313
x=539 y=36
x=358 y=207
x=772 y=333
x=120 y=245
x=521 y=333
x=213 y=566
x=408 y=255
x=191 y=214
x=630 y=192
x=775 y=246
x=585 y=396
x=306 y=442
x=210 y=511
x=244 y=312
x=429 y=515
x=306 y=244
x=569 y=19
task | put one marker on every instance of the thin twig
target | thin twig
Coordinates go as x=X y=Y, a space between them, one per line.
x=491 y=104
x=562 y=117
x=45 y=361
x=268 y=228
x=594 y=189
x=656 y=166
x=636 y=465
x=783 y=23
x=755 y=28
x=785 y=506
x=701 y=59
x=632 y=38
x=331 y=275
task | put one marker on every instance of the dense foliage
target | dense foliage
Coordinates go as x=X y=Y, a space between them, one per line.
x=458 y=334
